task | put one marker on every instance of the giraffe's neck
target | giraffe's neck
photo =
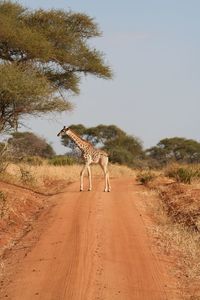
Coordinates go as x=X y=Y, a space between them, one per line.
x=82 y=145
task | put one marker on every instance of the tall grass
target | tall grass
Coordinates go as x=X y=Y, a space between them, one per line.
x=144 y=177
x=38 y=174
x=183 y=173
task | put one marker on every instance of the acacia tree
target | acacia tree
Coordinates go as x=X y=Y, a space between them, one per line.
x=42 y=56
x=175 y=149
x=29 y=144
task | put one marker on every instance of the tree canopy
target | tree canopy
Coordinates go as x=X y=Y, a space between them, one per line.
x=175 y=149
x=122 y=148
x=42 y=56
x=29 y=144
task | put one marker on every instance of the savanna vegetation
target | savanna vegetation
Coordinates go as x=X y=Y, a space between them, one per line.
x=176 y=149
x=25 y=144
x=176 y=209
x=43 y=55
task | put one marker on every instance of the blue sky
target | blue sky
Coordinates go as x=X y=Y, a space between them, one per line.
x=153 y=47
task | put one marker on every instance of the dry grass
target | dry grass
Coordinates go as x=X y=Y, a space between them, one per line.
x=38 y=175
x=72 y=173
x=182 y=247
x=177 y=231
x=181 y=202
x=184 y=173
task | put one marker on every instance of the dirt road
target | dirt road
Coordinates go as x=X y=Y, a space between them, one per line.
x=94 y=246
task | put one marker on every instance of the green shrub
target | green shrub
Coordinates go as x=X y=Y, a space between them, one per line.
x=33 y=160
x=145 y=177
x=182 y=174
x=62 y=160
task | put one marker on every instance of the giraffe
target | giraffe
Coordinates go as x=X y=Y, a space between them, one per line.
x=90 y=156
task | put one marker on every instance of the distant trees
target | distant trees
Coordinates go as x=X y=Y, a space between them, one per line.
x=126 y=149
x=25 y=144
x=122 y=148
x=175 y=149
x=42 y=56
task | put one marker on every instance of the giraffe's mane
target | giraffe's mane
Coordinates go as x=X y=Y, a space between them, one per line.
x=81 y=138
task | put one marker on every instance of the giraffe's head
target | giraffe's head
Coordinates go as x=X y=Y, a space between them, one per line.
x=63 y=131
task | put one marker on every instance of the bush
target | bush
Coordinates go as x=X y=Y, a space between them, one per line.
x=145 y=177
x=182 y=174
x=62 y=160
x=33 y=160
x=29 y=144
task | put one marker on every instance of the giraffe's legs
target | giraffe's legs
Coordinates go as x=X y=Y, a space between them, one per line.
x=81 y=177
x=107 y=180
x=104 y=165
x=90 y=178
x=86 y=167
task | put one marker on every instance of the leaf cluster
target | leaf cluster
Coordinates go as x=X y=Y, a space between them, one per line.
x=42 y=56
x=175 y=149
x=28 y=144
x=24 y=91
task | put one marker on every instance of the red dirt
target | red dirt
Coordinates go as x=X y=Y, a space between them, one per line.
x=90 y=245
x=18 y=208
